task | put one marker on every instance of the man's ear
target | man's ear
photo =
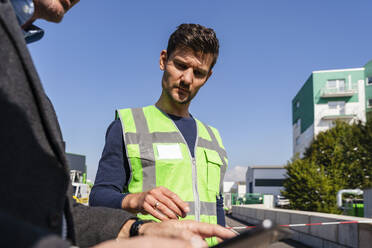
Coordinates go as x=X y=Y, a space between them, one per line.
x=163 y=59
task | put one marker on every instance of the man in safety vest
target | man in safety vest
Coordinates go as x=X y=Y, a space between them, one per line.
x=173 y=163
x=44 y=214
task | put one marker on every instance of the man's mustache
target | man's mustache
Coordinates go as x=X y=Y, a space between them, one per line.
x=184 y=86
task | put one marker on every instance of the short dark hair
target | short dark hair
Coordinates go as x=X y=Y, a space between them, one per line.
x=196 y=37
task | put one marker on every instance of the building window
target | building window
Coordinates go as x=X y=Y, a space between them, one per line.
x=269 y=182
x=369 y=103
x=298 y=123
x=332 y=105
x=297 y=140
x=336 y=84
x=369 y=81
x=297 y=104
x=331 y=84
x=336 y=108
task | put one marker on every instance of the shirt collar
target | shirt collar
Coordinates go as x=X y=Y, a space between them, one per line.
x=24 y=9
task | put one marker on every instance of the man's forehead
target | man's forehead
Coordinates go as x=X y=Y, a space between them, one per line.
x=186 y=53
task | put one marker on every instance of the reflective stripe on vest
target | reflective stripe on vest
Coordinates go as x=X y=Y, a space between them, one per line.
x=158 y=155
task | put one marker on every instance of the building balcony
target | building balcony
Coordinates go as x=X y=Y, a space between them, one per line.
x=346 y=91
x=339 y=117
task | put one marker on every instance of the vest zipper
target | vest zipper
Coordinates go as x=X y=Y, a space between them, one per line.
x=194 y=172
x=193 y=165
x=195 y=190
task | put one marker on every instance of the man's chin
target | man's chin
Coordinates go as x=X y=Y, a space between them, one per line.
x=178 y=99
x=182 y=101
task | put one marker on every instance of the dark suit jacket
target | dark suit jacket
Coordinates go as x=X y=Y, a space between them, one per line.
x=35 y=189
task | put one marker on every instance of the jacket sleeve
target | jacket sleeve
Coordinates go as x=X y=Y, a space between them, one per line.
x=93 y=225
x=17 y=233
x=113 y=171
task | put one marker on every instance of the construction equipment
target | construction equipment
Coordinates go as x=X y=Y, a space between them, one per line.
x=81 y=189
x=231 y=199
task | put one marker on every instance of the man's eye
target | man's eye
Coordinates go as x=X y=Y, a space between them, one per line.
x=198 y=74
x=181 y=66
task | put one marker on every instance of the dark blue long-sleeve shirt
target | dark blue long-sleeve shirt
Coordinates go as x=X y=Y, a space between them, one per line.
x=113 y=170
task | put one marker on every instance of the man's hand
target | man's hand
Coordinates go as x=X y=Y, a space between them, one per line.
x=189 y=231
x=52 y=10
x=147 y=242
x=160 y=202
x=186 y=230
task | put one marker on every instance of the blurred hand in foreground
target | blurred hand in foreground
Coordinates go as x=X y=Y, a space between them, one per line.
x=147 y=242
x=186 y=230
x=50 y=10
x=189 y=231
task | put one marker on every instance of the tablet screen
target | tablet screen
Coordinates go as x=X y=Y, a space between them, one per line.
x=261 y=236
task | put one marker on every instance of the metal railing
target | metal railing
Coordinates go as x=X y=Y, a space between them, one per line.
x=340 y=113
x=347 y=90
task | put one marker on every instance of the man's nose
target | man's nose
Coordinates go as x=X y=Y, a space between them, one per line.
x=187 y=76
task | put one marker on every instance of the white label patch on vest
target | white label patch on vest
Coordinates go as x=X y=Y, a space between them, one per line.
x=169 y=151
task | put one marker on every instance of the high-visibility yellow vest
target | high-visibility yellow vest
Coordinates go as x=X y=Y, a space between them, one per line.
x=158 y=155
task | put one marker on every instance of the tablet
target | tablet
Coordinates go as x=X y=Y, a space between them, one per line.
x=261 y=236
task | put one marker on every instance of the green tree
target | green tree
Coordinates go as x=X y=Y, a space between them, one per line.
x=338 y=158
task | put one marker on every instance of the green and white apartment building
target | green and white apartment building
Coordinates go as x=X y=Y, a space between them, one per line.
x=327 y=96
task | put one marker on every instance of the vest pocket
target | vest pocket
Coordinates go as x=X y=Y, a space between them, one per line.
x=214 y=163
x=142 y=168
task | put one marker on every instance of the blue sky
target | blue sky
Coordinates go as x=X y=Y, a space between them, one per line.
x=104 y=55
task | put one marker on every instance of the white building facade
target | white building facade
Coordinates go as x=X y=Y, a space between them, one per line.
x=265 y=179
x=328 y=96
x=227 y=186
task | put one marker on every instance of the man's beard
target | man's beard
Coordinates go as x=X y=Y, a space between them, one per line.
x=169 y=94
x=185 y=101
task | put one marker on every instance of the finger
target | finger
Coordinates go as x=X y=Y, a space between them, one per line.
x=168 y=205
x=166 y=211
x=177 y=200
x=159 y=202
x=150 y=210
x=195 y=240
x=222 y=232
x=209 y=230
x=153 y=200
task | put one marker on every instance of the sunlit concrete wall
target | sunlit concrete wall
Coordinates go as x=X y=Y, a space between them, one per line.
x=344 y=235
x=367 y=197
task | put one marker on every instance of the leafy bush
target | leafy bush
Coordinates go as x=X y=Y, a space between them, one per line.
x=338 y=158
